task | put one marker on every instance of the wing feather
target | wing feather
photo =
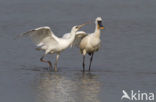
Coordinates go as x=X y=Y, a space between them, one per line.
x=66 y=36
x=41 y=36
x=79 y=36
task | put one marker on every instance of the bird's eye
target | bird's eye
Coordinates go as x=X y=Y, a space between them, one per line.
x=76 y=26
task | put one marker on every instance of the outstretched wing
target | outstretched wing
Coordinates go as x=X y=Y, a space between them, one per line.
x=78 y=37
x=41 y=36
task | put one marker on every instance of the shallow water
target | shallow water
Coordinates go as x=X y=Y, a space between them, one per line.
x=126 y=59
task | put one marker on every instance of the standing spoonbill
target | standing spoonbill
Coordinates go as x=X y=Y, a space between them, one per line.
x=89 y=43
x=46 y=40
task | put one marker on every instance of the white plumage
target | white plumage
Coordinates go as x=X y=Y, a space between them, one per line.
x=78 y=37
x=46 y=40
x=89 y=43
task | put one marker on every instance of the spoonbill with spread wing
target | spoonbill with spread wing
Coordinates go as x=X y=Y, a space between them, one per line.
x=46 y=40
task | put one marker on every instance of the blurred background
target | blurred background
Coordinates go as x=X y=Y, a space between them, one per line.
x=126 y=60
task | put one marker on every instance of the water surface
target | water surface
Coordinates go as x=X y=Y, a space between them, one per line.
x=126 y=59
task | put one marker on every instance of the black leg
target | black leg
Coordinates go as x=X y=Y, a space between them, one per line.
x=83 y=64
x=91 y=58
x=50 y=64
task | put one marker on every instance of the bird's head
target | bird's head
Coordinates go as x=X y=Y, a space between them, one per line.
x=76 y=28
x=98 y=21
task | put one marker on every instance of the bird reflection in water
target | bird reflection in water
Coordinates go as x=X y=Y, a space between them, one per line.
x=89 y=88
x=65 y=87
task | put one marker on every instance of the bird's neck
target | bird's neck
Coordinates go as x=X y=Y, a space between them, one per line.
x=72 y=37
x=97 y=31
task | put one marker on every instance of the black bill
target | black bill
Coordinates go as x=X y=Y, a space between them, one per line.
x=100 y=25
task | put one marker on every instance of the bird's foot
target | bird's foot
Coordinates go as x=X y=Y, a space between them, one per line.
x=50 y=66
x=89 y=69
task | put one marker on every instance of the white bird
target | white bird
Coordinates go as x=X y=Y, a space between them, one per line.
x=46 y=40
x=89 y=43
